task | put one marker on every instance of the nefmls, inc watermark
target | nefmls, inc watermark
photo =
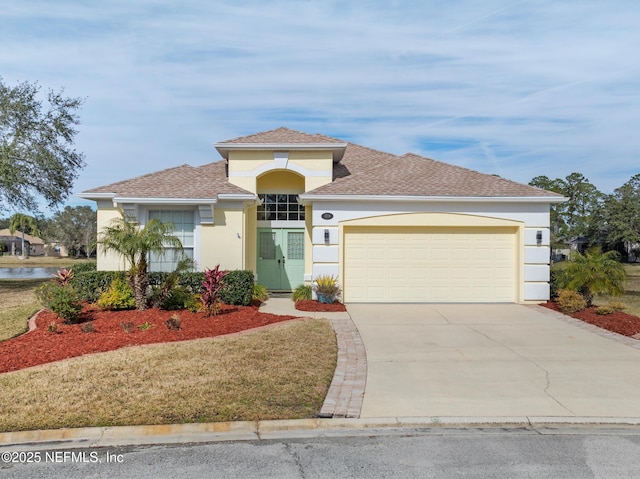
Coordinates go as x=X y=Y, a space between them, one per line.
x=74 y=457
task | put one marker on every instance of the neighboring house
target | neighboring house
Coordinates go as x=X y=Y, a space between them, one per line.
x=33 y=245
x=291 y=206
x=56 y=249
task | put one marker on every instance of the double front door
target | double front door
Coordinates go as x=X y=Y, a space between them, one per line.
x=280 y=262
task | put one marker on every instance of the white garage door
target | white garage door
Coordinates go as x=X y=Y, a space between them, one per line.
x=430 y=264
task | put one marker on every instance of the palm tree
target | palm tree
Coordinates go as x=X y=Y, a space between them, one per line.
x=21 y=222
x=595 y=272
x=134 y=244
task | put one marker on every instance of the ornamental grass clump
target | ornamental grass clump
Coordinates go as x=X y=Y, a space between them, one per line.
x=327 y=288
x=211 y=289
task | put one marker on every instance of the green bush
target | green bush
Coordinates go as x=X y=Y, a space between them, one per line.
x=617 y=305
x=559 y=279
x=302 y=293
x=83 y=267
x=64 y=301
x=570 y=301
x=118 y=296
x=260 y=293
x=194 y=303
x=191 y=281
x=606 y=309
x=176 y=299
x=238 y=288
x=91 y=284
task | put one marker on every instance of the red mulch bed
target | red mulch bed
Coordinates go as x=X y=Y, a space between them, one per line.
x=317 y=306
x=618 y=322
x=41 y=346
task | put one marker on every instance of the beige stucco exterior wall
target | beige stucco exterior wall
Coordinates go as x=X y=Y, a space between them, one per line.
x=281 y=181
x=246 y=166
x=250 y=239
x=107 y=260
x=223 y=242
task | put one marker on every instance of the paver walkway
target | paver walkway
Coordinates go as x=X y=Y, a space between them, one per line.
x=346 y=393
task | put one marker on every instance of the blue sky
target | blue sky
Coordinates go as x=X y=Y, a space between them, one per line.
x=514 y=88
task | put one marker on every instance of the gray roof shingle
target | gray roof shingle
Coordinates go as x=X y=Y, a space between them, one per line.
x=207 y=181
x=361 y=171
x=414 y=175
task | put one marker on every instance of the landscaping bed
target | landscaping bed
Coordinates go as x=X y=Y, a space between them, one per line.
x=316 y=306
x=118 y=329
x=618 y=321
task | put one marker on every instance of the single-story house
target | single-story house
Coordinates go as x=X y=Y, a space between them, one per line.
x=33 y=245
x=292 y=206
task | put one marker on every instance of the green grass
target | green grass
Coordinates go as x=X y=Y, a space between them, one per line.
x=631 y=296
x=282 y=372
x=9 y=261
x=17 y=304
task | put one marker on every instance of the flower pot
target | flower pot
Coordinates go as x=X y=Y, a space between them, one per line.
x=325 y=298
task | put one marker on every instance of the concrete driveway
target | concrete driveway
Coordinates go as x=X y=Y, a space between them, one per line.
x=492 y=360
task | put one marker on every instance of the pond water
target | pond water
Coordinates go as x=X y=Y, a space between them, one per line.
x=27 y=272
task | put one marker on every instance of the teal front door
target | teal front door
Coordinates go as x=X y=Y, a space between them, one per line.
x=280 y=258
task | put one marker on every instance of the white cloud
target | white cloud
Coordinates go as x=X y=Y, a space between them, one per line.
x=517 y=88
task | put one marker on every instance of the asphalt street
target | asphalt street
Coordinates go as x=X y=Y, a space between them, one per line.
x=402 y=453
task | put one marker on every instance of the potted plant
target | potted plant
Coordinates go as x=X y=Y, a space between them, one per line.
x=326 y=288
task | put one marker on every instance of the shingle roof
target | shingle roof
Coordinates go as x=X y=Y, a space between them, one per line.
x=18 y=234
x=362 y=171
x=184 y=181
x=282 y=135
x=414 y=175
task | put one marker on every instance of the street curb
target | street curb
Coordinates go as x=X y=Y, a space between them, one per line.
x=281 y=429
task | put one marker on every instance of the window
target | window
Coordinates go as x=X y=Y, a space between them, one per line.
x=183 y=228
x=280 y=207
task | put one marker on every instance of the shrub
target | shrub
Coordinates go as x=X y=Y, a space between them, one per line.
x=238 y=288
x=176 y=299
x=606 y=309
x=127 y=327
x=260 y=293
x=91 y=284
x=617 y=305
x=87 y=327
x=64 y=301
x=144 y=326
x=83 y=267
x=173 y=323
x=301 y=293
x=118 y=296
x=559 y=279
x=194 y=303
x=211 y=288
x=570 y=301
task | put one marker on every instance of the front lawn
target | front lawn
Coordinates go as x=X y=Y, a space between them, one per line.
x=17 y=305
x=282 y=372
x=631 y=296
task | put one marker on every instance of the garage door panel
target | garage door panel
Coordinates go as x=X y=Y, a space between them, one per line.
x=430 y=264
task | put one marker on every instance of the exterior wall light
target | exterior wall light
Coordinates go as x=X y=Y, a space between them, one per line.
x=539 y=237
x=326 y=237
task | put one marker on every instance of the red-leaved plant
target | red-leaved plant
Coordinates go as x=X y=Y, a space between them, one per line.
x=63 y=276
x=211 y=288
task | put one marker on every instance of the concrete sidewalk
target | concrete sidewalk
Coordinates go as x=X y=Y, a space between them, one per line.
x=431 y=360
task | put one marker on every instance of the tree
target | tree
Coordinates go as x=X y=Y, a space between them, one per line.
x=76 y=228
x=577 y=217
x=621 y=217
x=125 y=237
x=37 y=158
x=23 y=223
x=595 y=272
